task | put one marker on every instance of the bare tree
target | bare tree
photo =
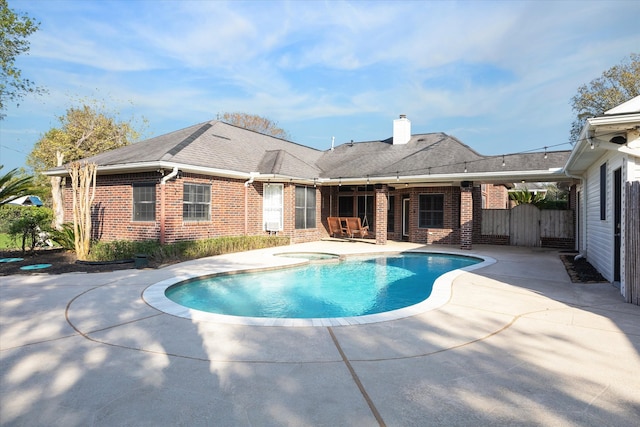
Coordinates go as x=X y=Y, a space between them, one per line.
x=83 y=188
x=255 y=123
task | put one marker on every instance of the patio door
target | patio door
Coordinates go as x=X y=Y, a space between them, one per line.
x=406 y=206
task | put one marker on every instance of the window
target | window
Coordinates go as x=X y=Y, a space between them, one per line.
x=272 y=207
x=603 y=191
x=431 y=211
x=144 y=202
x=305 y=207
x=196 y=205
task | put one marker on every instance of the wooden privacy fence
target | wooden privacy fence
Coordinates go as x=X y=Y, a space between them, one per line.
x=526 y=225
x=632 y=243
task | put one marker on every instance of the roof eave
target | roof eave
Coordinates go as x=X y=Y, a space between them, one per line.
x=158 y=166
x=621 y=119
x=551 y=175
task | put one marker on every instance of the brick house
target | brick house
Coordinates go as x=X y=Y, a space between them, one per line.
x=215 y=179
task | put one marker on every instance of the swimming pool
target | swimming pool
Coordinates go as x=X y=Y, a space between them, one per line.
x=360 y=289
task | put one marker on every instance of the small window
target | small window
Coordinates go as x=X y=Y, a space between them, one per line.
x=196 y=204
x=431 y=211
x=144 y=202
x=603 y=191
x=305 y=207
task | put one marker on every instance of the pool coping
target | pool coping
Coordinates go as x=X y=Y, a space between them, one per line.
x=154 y=296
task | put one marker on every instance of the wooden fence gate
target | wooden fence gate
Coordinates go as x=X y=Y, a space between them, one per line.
x=526 y=225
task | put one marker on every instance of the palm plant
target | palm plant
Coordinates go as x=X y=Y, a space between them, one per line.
x=12 y=187
x=524 y=196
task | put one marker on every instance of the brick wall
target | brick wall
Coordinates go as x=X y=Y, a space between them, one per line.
x=496 y=196
x=113 y=209
x=380 y=206
x=450 y=233
x=466 y=218
x=301 y=235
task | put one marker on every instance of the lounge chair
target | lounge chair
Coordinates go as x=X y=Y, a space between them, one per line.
x=336 y=229
x=355 y=228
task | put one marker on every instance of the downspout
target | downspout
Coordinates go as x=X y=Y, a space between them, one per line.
x=247 y=183
x=583 y=201
x=163 y=181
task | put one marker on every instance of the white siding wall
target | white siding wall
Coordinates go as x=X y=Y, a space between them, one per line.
x=599 y=233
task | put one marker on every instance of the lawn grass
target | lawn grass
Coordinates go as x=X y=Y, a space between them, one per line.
x=7 y=242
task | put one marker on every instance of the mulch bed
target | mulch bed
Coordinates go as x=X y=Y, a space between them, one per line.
x=580 y=270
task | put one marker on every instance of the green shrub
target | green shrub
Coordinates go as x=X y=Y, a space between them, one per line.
x=524 y=196
x=181 y=251
x=8 y=214
x=554 y=204
x=65 y=237
x=31 y=227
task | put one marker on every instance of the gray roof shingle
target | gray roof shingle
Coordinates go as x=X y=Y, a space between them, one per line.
x=217 y=145
x=426 y=154
x=221 y=146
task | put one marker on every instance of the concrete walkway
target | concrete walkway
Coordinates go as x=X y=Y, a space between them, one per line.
x=517 y=344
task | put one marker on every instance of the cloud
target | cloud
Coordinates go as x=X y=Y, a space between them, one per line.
x=342 y=68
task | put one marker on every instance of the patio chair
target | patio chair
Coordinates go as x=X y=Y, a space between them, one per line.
x=336 y=229
x=355 y=228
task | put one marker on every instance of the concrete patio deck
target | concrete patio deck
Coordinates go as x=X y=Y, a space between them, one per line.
x=516 y=344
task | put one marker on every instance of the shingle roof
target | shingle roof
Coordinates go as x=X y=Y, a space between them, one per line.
x=426 y=154
x=220 y=146
x=217 y=145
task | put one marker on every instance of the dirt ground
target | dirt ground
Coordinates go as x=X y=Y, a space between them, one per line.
x=62 y=261
x=580 y=270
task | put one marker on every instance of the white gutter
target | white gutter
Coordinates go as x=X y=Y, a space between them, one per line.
x=154 y=166
x=163 y=202
x=166 y=178
x=550 y=174
x=252 y=176
x=624 y=119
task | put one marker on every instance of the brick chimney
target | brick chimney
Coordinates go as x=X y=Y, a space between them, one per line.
x=401 y=130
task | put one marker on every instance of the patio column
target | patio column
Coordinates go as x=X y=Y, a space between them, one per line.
x=381 y=192
x=466 y=217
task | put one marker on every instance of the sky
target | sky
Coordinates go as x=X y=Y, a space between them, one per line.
x=499 y=76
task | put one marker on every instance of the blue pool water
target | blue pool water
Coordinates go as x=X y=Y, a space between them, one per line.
x=354 y=287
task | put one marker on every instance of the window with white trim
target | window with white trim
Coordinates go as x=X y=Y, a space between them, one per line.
x=272 y=207
x=196 y=204
x=305 y=207
x=144 y=202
